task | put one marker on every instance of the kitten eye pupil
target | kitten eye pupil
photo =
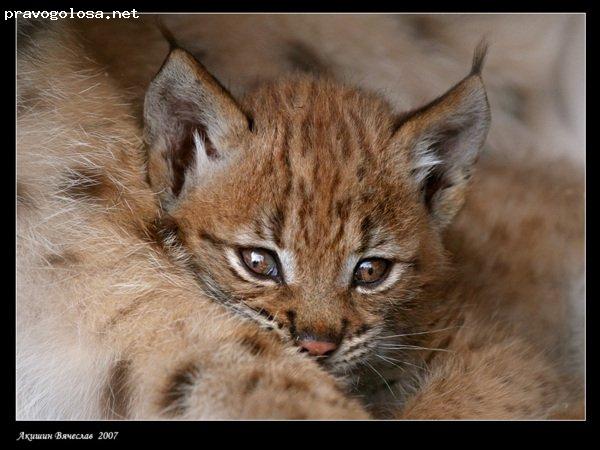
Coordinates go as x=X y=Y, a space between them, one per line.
x=371 y=271
x=260 y=261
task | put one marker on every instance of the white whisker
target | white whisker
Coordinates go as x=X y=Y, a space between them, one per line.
x=388 y=358
x=418 y=333
x=414 y=347
x=381 y=376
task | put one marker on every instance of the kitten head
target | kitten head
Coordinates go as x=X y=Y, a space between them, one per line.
x=312 y=204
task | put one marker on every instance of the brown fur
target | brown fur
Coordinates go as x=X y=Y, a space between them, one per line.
x=289 y=174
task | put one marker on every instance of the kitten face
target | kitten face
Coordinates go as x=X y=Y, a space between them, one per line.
x=324 y=215
x=314 y=186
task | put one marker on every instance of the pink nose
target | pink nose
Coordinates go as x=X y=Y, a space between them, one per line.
x=317 y=348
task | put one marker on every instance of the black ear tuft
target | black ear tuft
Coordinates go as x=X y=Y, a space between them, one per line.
x=443 y=141
x=479 y=57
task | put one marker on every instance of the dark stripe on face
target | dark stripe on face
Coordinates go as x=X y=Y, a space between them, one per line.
x=381 y=241
x=276 y=224
x=366 y=159
x=357 y=126
x=341 y=213
x=353 y=139
x=317 y=172
x=304 y=210
x=178 y=388
x=288 y=188
x=288 y=183
x=284 y=148
x=365 y=229
x=305 y=129
x=339 y=234
x=257 y=228
x=333 y=188
x=117 y=394
x=342 y=209
x=212 y=239
x=343 y=137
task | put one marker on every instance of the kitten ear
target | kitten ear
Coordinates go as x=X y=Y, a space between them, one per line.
x=188 y=119
x=444 y=140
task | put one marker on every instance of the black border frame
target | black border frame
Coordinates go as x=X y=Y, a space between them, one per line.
x=202 y=434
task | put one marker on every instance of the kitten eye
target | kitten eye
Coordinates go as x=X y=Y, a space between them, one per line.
x=261 y=262
x=370 y=271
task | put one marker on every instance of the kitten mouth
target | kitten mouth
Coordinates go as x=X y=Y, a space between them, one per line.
x=346 y=362
x=334 y=362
